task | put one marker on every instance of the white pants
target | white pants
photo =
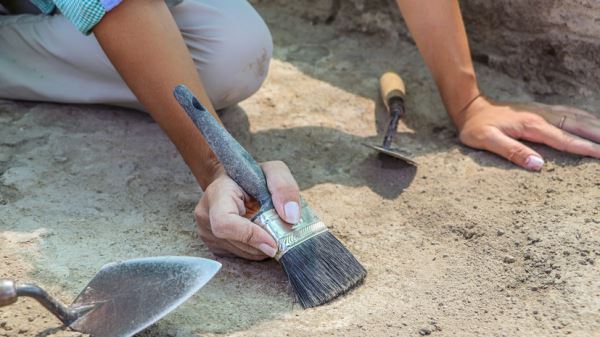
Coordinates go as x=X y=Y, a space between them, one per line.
x=44 y=58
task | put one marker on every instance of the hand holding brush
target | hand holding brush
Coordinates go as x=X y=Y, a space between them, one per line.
x=317 y=264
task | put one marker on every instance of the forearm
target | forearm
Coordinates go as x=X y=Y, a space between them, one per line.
x=143 y=42
x=437 y=28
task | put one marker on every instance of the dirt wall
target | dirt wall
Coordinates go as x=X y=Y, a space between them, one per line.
x=552 y=45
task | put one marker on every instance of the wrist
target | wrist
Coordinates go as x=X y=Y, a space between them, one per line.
x=458 y=91
x=478 y=104
x=210 y=172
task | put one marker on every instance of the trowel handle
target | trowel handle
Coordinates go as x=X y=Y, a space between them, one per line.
x=392 y=92
x=392 y=87
x=238 y=163
x=10 y=292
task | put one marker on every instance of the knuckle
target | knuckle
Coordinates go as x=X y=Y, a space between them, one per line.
x=220 y=229
x=566 y=142
x=532 y=122
x=201 y=215
x=515 y=153
x=248 y=235
x=286 y=189
x=486 y=133
x=476 y=137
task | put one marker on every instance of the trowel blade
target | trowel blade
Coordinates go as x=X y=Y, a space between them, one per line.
x=131 y=295
x=391 y=152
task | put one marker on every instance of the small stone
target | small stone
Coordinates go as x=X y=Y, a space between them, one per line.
x=468 y=234
x=533 y=239
x=509 y=259
x=425 y=332
x=500 y=232
x=60 y=159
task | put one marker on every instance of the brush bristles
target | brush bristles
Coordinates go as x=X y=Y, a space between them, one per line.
x=321 y=269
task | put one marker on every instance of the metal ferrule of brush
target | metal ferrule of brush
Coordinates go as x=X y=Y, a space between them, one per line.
x=288 y=236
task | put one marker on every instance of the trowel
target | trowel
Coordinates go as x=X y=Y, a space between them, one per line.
x=124 y=297
x=392 y=92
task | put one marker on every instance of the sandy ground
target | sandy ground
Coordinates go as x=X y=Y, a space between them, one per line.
x=464 y=245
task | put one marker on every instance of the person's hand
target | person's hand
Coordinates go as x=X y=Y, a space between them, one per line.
x=497 y=127
x=224 y=210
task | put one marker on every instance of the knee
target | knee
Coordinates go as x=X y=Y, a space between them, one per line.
x=233 y=52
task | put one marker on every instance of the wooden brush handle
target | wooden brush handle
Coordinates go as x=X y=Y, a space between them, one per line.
x=391 y=86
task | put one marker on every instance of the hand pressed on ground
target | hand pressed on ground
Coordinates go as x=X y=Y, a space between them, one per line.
x=223 y=214
x=497 y=127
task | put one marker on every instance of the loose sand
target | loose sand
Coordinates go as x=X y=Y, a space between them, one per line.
x=465 y=245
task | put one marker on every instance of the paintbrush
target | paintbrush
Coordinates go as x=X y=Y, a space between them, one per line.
x=318 y=265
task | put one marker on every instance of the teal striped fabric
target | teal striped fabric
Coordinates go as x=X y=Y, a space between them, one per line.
x=84 y=14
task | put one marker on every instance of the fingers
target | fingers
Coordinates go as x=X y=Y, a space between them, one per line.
x=570 y=111
x=284 y=190
x=227 y=224
x=561 y=140
x=222 y=227
x=513 y=150
x=573 y=120
x=582 y=126
x=225 y=248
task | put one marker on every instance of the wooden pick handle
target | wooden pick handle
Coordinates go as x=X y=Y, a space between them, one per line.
x=391 y=85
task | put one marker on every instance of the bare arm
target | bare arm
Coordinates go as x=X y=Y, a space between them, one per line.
x=142 y=41
x=438 y=29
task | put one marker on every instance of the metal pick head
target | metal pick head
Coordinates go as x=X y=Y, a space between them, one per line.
x=131 y=295
x=392 y=153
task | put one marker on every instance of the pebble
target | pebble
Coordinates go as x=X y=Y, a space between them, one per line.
x=533 y=238
x=509 y=259
x=60 y=159
x=425 y=332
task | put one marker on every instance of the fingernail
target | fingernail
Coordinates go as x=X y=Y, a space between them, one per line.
x=534 y=163
x=268 y=250
x=292 y=212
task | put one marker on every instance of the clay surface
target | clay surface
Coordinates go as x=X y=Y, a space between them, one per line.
x=464 y=245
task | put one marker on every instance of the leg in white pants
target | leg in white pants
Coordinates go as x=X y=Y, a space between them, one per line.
x=44 y=58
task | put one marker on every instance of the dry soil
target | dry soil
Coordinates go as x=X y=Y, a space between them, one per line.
x=464 y=245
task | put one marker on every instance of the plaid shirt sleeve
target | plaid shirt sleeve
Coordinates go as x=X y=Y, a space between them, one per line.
x=84 y=14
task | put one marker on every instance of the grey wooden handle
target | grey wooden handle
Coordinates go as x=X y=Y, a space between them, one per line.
x=238 y=163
